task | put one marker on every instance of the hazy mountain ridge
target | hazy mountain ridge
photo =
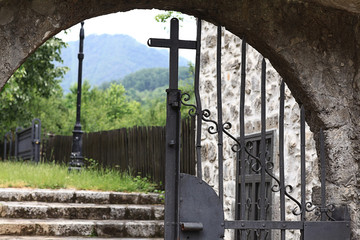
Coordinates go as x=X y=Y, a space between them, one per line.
x=110 y=57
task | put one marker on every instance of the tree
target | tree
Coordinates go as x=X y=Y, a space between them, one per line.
x=36 y=79
x=102 y=109
x=164 y=17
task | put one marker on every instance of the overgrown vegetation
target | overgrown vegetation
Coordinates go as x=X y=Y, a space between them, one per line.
x=53 y=176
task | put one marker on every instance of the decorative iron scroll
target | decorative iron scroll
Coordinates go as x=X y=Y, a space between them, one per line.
x=185 y=97
x=256 y=167
x=268 y=166
x=236 y=148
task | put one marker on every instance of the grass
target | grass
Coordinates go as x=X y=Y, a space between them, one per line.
x=19 y=174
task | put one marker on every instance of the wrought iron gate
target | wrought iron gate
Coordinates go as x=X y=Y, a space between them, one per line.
x=193 y=210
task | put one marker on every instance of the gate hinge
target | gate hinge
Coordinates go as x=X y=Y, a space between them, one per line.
x=174 y=98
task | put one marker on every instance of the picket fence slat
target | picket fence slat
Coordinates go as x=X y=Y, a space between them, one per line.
x=139 y=149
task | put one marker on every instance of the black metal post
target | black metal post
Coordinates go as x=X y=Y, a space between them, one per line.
x=198 y=100
x=219 y=115
x=281 y=156
x=262 y=199
x=323 y=176
x=76 y=158
x=173 y=117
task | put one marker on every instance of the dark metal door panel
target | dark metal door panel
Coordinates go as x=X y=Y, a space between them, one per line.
x=201 y=212
x=327 y=230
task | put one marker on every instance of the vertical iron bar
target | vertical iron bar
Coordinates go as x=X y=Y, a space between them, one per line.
x=281 y=156
x=254 y=189
x=219 y=113
x=323 y=175
x=240 y=167
x=173 y=141
x=173 y=129
x=263 y=144
x=32 y=140
x=303 y=166
x=198 y=100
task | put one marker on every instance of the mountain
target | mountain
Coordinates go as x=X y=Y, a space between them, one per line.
x=110 y=57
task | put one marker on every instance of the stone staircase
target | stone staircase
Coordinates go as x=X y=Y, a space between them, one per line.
x=69 y=214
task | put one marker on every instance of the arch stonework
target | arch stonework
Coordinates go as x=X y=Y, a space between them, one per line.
x=313 y=44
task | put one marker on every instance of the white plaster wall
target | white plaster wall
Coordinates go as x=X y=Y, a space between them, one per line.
x=231 y=70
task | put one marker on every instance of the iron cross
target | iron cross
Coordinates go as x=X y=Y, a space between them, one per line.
x=173 y=116
x=174 y=43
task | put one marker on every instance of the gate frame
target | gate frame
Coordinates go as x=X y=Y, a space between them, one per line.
x=31 y=137
x=172 y=181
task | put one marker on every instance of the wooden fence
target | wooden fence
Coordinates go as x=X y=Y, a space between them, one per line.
x=139 y=149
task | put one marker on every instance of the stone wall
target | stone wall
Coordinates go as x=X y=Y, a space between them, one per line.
x=231 y=70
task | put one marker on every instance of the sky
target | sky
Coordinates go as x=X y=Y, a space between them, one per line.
x=140 y=24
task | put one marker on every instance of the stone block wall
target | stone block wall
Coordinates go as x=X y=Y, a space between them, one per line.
x=231 y=70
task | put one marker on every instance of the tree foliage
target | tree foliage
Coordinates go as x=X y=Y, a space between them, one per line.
x=164 y=17
x=36 y=79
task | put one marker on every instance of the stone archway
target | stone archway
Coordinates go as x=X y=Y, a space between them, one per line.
x=313 y=44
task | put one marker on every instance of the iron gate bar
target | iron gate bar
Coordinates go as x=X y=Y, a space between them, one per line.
x=262 y=142
x=253 y=193
x=242 y=142
x=219 y=113
x=263 y=147
x=263 y=225
x=323 y=175
x=281 y=156
x=303 y=166
x=172 y=153
x=198 y=100
x=36 y=139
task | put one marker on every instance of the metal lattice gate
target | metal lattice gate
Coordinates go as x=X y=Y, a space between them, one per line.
x=193 y=210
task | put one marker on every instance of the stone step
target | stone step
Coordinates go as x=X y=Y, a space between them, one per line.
x=40 y=210
x=76 y=196
x=83 y=228
x=8 y=237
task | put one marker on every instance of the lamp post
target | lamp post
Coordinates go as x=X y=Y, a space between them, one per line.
x=76 y=158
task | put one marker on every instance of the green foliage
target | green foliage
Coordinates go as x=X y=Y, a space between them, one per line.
x=35 y=81
x=101 y=109
x=161 y=194
x=150 y=79
x=164 y=17
x=91 y=163
x=146 y=89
